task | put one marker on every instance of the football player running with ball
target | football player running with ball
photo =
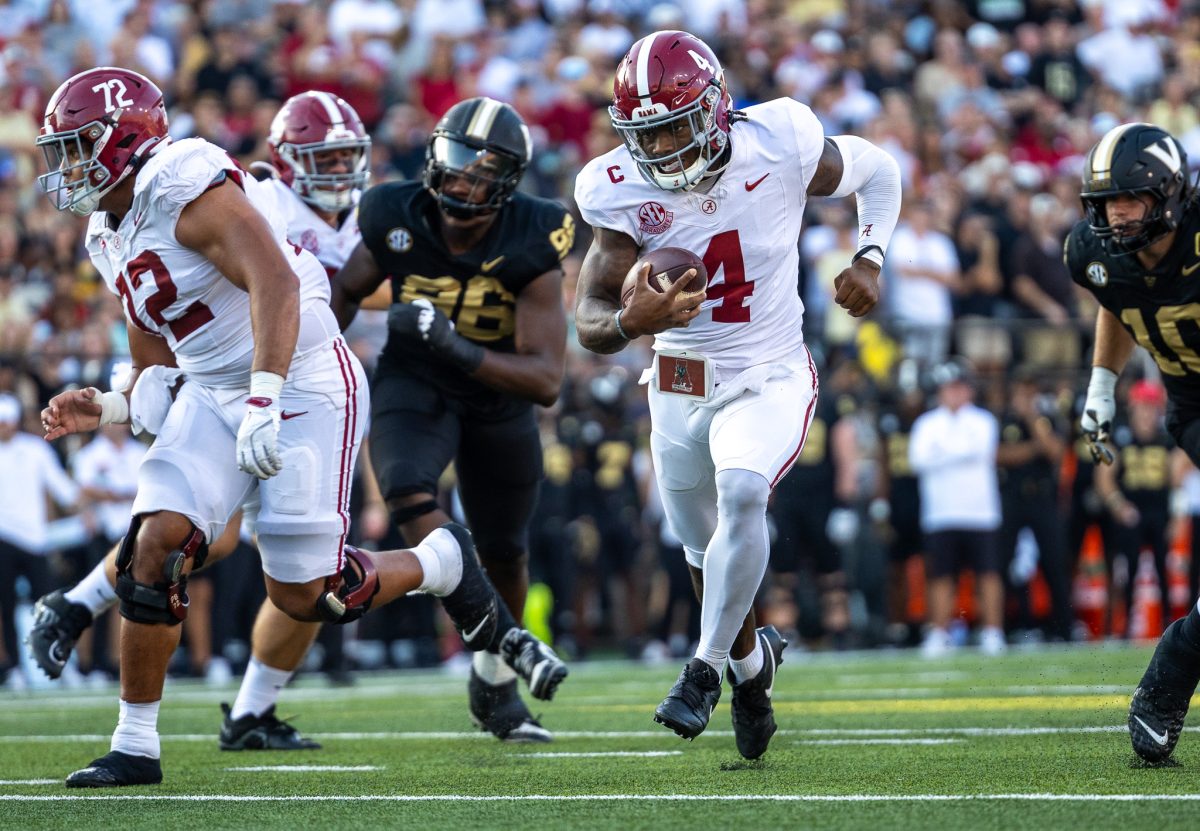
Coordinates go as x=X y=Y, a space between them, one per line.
x=274 y=402
x=477 y=335
x=731 y=186
x=320 y=153
x=1136 y=251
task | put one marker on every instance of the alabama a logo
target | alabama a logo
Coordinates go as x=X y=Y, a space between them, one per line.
x=308 y=240
x=653 y=218
x=399 y=240
x=1097 y=273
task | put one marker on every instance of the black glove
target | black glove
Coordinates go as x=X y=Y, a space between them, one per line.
x=421 y=321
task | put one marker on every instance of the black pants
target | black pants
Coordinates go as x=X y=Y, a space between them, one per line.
x=417 y=431
x=1042 y=517
x=16 y=562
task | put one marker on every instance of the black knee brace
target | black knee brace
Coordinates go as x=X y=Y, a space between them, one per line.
x=166 y=601
x=407 y=513
x=348 y=594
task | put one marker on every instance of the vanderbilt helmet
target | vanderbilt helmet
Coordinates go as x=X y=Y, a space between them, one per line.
x=309 y=127
x=99 y=127
x=484 y=143
x=672 y=81
x=1138 y=159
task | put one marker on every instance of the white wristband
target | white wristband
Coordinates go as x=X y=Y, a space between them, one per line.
x=1103 y=383
x=114 y=407
x=265 y=385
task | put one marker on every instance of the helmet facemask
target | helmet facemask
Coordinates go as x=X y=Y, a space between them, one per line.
x=332 y=192
x=77 y=179
x=492 y=176
x=1161 y=218
x=695 y=130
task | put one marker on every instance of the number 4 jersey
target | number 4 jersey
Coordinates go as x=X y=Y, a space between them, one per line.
x=1159 y=307
x=745 y=228
x=173 y=291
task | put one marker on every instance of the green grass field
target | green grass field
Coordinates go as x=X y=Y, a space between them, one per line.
x=869 y=740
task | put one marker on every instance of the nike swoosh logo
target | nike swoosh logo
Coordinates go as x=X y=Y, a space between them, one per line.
x=469 y=637
x=1187 y=270
x=1160 y=739
x=752 y=186
x=490 y=264
x=286 y=416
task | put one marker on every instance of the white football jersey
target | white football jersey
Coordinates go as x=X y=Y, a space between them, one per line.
x=746 y=229
x=170 y=290
x=332 y=246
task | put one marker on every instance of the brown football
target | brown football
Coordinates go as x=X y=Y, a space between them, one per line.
x=666 y=266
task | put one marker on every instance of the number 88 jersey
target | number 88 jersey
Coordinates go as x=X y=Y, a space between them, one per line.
x=745 y=228
x=1159 y=307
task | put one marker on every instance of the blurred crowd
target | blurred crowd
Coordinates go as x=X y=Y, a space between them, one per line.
x=988 y=106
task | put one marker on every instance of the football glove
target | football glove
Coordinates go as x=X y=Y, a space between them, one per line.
x=421 y=321
x=258 y=438
x=1099 y=408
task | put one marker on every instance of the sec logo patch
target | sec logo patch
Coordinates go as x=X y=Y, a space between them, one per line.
x=399 y=240
x=1097 y=273
x=654 y=218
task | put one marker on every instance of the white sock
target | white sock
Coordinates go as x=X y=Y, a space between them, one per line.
x=441 y=563
x=746 y=668
x=94 y=591
x=137 y=730
x=491 y=669
x=260 y=689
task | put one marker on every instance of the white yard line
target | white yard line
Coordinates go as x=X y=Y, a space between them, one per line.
x=605 y=797
x=30 y=781
x=621 y=734
x=306 y=768
x=879 y=741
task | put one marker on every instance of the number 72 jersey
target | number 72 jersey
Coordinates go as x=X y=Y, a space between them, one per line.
x=745 y=228
x=1159 y=307
x=169 y=290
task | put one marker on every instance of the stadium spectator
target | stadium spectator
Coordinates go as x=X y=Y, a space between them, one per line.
x=952 y=449
x=32 y=478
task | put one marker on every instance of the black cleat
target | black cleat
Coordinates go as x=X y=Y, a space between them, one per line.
x=474 y=605
x=690 y=703
x=115 y=770
x=499 y=710
x=57 y=624
x=264 y=732
x=753 y=716
x=542 y=670
x=1160 y=702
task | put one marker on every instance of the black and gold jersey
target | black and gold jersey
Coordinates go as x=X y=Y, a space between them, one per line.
x=477 y=290
x=1159 y=306
x=1145 y=468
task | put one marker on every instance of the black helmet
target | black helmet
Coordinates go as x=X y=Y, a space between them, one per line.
x=483 y=141
x=1134 y=159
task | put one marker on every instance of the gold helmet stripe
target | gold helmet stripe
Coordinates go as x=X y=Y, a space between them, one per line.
x=1102 y=155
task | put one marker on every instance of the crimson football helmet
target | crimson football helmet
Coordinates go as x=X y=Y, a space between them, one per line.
x=100 y=125
x=315 y=123
x=671 y=85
